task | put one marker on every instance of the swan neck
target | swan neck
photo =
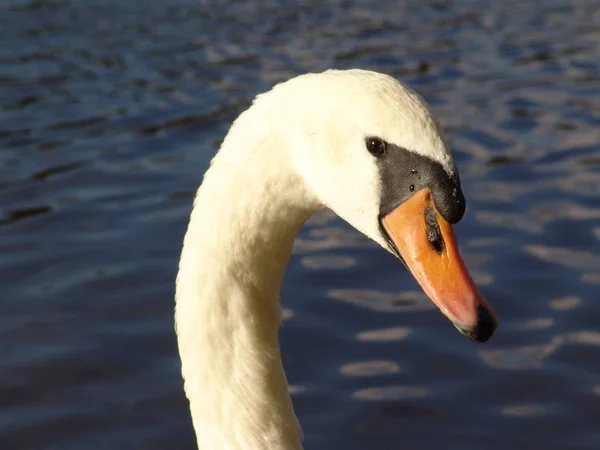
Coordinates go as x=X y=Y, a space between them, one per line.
x=236 y=248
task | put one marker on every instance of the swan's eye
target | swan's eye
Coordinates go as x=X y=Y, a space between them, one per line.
x=376 y=146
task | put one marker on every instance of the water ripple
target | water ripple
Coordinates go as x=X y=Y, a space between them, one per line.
x=369 y=368
x=565 y=303
x=573 y=259
x=524 y=410
x=110 y=114
x=384 y=335
x=320 y=262
x=533 y=356
x=391 y=393
x=406 y=301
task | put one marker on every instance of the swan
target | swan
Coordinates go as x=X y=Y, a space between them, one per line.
x=355 y=141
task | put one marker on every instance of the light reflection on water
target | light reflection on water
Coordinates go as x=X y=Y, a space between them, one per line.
x=383 y=335
x=527 y=357
x=369 y=368
x=324 y=262
x=330 y=238
x=572 y=259
x=391 y=393
x=525 y=410
x=565 y=303
x=403 y=301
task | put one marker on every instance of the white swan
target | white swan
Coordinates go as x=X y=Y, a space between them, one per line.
x=355 y=141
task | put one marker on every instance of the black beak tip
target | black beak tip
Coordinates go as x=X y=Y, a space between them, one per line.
x=485 y=327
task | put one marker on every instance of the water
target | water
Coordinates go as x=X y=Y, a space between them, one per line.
x=110 y=112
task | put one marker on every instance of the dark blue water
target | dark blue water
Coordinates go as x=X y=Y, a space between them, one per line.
x=109 y=114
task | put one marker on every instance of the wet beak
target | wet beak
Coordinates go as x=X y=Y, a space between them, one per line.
x=426 y=243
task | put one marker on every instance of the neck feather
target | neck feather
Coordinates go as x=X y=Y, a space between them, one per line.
x=245 y=218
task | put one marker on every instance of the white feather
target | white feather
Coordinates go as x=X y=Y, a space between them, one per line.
x=299 y=148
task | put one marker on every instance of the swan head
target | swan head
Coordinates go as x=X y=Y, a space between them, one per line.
x=368 y=148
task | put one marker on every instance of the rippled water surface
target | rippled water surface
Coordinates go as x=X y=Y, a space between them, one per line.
x=109 y=114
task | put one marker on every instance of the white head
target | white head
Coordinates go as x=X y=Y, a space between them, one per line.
x=355 y=141
x=369 y=148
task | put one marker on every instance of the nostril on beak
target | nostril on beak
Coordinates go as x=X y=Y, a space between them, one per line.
x=434 y=236
x=437 y=245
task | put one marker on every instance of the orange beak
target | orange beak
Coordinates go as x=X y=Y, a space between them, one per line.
x=426 y=243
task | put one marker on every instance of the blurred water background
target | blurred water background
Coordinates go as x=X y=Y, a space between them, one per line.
x=109 y=114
